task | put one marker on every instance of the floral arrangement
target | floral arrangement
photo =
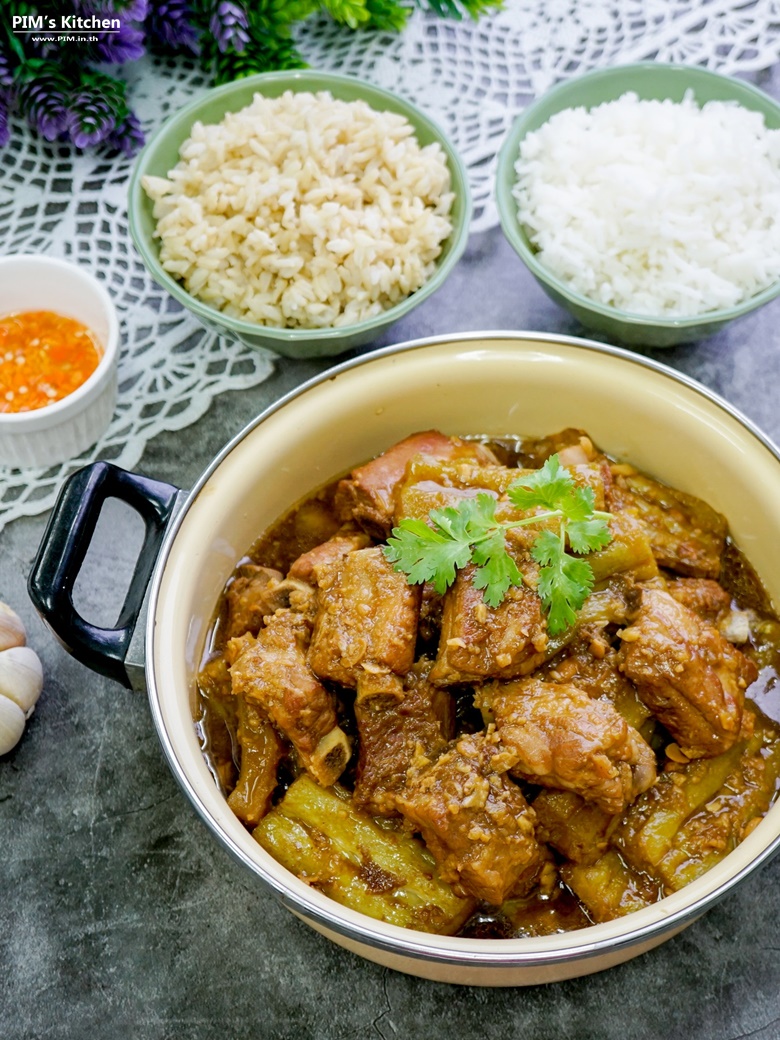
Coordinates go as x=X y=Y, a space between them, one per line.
x=65 y=95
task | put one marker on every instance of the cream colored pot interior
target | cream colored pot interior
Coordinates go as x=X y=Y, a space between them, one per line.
x=469 y=385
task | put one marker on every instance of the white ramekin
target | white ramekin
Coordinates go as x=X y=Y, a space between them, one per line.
x=62 y=430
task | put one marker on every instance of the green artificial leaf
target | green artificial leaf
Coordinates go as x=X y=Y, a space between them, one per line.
x=264 y=52
x=35 y=67
x=353 y=13
x=287 y=11
x=387 y=15
x=457 y=8
x=271 y=44
x=15 y=45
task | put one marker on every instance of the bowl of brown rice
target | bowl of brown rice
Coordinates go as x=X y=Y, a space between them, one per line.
x=645 y=199
x=304 y=212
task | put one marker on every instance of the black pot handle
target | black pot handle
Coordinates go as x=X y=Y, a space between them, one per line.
x=64 y=546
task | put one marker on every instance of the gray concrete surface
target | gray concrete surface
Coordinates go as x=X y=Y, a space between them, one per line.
x=121 y=916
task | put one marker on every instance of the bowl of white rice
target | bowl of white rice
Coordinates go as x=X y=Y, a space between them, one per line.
x=645 y=199
x=304 y=212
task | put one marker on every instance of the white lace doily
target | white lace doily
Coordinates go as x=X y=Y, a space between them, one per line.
x=472 y=77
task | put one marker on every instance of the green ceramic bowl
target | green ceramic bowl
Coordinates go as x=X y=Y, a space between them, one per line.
x=162 y=153
x=649 y=80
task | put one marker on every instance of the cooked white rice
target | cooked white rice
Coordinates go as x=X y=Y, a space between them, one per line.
x=303 y=211
x=658 y=208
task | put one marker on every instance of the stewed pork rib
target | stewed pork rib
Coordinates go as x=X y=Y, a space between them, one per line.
x=479 y=642
x=475 y=820
x=690 y=677
x=592 y=665
x=271 y=670
x=561 y=737
x=366 y=619
x=253 y=594
x=262 y=749
x=703 y=596
x=257 y=593
x=367 y=496
x=714 y=604
x=686 y=534
x=345 y=541
x=400 y=724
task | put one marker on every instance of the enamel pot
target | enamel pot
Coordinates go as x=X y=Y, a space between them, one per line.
x=488 y=383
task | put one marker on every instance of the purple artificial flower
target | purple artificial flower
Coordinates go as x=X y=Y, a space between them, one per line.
x=134 y=10
x=5 y=129
x=90 y=119
x=6 y=72
x=44 y=104
x=229 y=25
x=118 y=47
x=170 y=22
x=126 y=10
x=127 y=137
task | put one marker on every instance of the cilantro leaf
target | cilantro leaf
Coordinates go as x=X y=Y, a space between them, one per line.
x=547 y=549
x=496 y=569
x=458 y=522
x=579 y=505
x=548 y=487
x=425 y=554
x=588 y=535
x=564 y=583
x=455 y=536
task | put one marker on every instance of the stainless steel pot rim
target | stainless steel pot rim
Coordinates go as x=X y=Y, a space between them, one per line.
x=592 y=941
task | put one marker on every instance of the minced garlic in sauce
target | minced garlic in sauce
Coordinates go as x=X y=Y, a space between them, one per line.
x=43 y=357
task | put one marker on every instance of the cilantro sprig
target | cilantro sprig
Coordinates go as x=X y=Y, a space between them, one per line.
x=455 y=536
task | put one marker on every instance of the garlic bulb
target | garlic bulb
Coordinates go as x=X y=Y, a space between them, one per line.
x=12 y=631
x=21 y=679
x=11 y=724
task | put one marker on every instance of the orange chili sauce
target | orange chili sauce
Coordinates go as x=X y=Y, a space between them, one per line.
x=43 y=358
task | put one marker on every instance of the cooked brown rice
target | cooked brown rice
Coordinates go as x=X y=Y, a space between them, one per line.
x=303 y=211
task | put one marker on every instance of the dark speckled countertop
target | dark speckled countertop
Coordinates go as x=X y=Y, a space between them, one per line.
x=121 y=915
